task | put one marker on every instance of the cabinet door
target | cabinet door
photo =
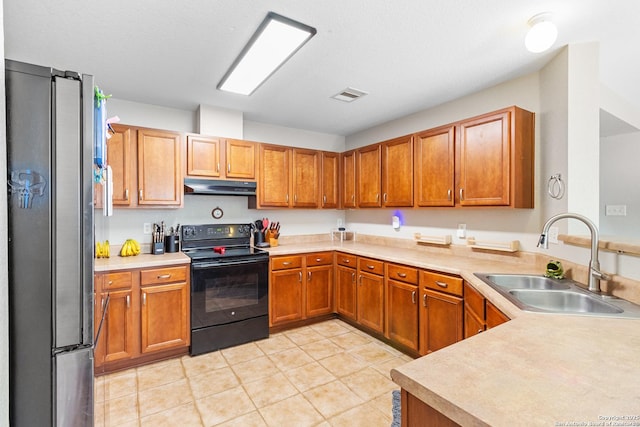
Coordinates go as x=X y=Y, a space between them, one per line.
x=330 y=180
x=434 y=166
x=159 y=170
x=286 y=296
x=473 y=325
x=165 y=317
x=119 y=158
x=306 y=178
x=368 y=176
x=485 y=161
x=371 y=301
x=349 y=179
x=240 y=159
x=273 y=185
x=474 y=311
x=346 y=292
x=402 y=313
x=440 y=320
x=117 y=338
x=494 y=317
x=203 y=156
x=397 y=172
x=319 y=290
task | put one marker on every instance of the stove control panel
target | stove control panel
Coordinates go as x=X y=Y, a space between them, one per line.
x=215 y=231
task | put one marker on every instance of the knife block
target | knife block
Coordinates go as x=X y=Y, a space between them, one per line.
x=157 y=248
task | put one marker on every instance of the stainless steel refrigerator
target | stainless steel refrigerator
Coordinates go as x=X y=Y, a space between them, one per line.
x=49 y=165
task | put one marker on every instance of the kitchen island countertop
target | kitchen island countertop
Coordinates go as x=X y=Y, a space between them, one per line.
x=537 y=369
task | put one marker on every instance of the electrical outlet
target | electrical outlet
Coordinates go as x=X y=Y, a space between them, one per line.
x=553 y=234
x=616 y=210
x=462 y=231
x=146 y=229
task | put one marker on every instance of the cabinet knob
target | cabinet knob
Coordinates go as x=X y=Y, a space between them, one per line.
x=318 y=259
x=286 y=263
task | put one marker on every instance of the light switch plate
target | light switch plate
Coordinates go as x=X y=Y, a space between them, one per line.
x=616 y=210
x=146 y=229
x=553 y=234
x=462 y=231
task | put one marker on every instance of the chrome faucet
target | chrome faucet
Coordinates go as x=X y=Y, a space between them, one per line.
x=595 y=275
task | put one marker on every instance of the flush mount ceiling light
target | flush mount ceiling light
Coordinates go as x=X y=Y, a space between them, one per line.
x=274 y=42
x=349 y=94
x=542 y=34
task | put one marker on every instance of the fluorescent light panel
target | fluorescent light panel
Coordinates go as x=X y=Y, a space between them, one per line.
x=274 y=42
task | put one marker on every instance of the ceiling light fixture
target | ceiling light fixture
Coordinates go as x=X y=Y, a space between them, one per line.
x=274 y=42
x=542 y=34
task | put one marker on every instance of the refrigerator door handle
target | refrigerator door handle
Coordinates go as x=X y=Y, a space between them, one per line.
x=105 y=308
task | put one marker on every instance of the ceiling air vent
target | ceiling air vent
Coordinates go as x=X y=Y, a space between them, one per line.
x=349 y=94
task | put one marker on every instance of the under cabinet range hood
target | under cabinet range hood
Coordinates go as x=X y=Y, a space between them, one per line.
x=218 y=187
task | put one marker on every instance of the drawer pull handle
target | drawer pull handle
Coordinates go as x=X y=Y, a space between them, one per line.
x=371 y=267
x=413 y=297
x=164 y=276
x=110 y=282
x=403 y=275
x=361 y=280
x=286 y=263
x=324 y=200
x=218 y=167
x=384 y=197
x=346 y=261
x=228 y=167
x=318 y=259
x=442 y=284
x=424 y=300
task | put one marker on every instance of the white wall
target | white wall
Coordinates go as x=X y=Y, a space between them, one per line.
x=4 y=274
x=263 y=132
x=619 y=156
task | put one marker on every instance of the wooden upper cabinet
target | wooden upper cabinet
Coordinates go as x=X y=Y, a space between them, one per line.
x=203 y=156
x=397 y=172
x=240 y=157
x=368 y=166
x=275 y=176
x=348 y=170
x=119 y=158
x=159 y=168
x=496 y=159
x=330 y=180
x=306 y=178
x=435 y=167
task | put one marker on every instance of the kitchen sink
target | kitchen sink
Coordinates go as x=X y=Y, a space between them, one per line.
x=563 y=301
x=518 y=281
x=541 y=294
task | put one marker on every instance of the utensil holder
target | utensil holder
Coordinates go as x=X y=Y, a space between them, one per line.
x=171 y=244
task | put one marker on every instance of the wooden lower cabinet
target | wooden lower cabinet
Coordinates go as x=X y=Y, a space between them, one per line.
x=370 y=294
x=346 y=289
x=416 y=413
x=441 y=313
x=300 y=287
x=402 y=313
x=147 y=316
x=164 y=317
x=479 y=314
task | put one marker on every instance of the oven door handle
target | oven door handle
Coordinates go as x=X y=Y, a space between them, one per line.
x=204 y=265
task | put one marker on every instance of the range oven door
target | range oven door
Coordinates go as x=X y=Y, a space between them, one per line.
x=229 y=292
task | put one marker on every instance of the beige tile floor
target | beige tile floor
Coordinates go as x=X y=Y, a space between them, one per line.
x=327 y=374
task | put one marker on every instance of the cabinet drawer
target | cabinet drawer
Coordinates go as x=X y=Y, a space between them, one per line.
x=322 y=258
x=402 y=273
x=441 y=282
x=474 y=300
x=117 y=280
x=346 y=259
x=285 y=262
x=163 y=275
x=371 y=266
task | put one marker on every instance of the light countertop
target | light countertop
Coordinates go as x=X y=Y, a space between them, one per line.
x=537 y=369
x=139 y=261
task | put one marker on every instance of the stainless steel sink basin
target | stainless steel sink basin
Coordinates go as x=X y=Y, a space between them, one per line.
x=519 y=281
x=540 y=294
x=563 y=301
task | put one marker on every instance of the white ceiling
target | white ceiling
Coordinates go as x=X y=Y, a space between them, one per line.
x=408 y=54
